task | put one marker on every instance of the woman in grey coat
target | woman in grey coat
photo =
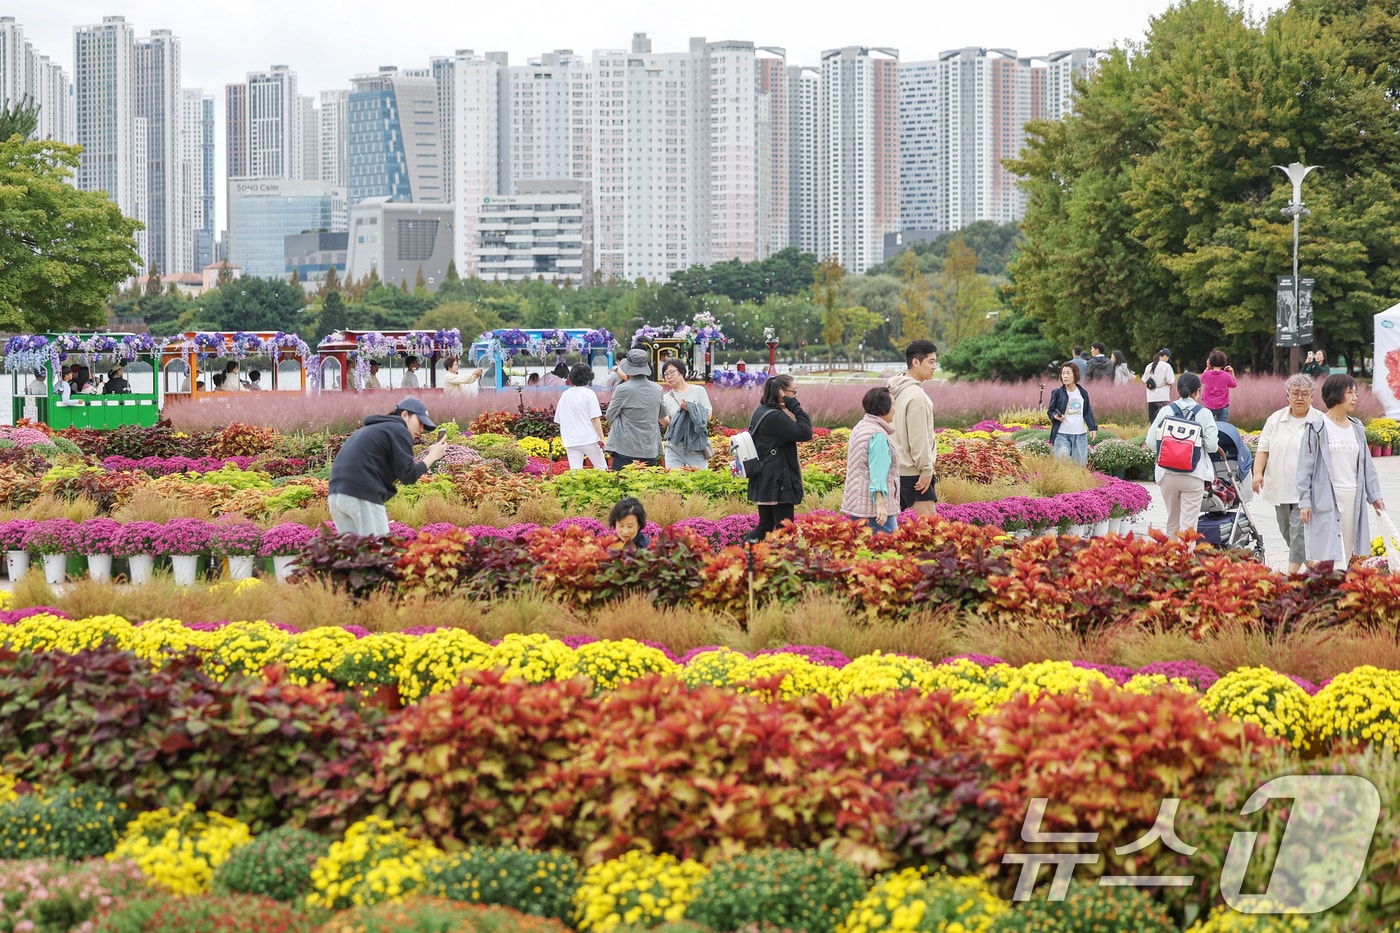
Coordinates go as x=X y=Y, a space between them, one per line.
x=1336 y=477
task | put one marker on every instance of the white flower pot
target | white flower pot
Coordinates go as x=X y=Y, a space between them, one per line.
x=16 y=565
x=55 y=568
x=100 y=568
x=141 y=567
x=240 y=566
x=1084 y=531
x=1100 y=528
x=284 y=567
x=186 y=568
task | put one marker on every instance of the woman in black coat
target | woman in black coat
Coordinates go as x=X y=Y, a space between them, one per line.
x=776 y=426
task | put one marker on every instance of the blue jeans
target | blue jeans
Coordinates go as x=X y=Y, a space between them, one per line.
x=888 y=525
x=1073 y=447
x=1221 y=414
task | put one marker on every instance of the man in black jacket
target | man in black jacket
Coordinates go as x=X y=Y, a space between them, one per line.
x=372 y=459
x=1099 y=365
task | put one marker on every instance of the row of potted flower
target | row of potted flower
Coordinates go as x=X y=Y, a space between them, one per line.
x=184 y=540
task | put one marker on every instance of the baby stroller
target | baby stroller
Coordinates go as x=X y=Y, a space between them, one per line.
x=1225 y=520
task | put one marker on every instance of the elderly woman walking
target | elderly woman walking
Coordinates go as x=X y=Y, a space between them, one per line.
x=1276 y=465
x=1335 y=478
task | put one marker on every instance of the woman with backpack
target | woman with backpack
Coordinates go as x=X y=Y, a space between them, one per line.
x=1185 y=427
x=1158 y=377
x=777 y=426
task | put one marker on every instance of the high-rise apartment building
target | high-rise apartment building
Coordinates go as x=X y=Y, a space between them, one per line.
x=477 y=92
x=644 y=203
x=310 y=138
x=774 y=146
x=394 y=147
x=1061 y=71
x=236 y=130
x=921 y=150
x=171 y=245
x=25 y=74
x=549 y=133
x=105 y=107
x=724 y=151
x=986 y=97
x=858 y=161
x=272 y=124
x=197 y=158
x=335 y=120
x=804 y=213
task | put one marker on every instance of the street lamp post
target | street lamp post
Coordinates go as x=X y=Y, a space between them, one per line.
x=1296 y=172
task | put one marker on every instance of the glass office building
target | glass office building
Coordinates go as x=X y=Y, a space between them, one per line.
x=262 y=213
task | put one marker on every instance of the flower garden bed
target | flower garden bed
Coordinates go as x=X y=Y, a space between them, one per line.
x=817 y=733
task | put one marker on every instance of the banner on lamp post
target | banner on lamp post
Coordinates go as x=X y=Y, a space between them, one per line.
x=1294 y=311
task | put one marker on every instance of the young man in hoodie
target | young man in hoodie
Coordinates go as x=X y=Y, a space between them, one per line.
x=372 y=459
x=913 y=428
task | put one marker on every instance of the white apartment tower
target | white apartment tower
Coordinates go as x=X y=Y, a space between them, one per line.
x=171 y=245
x=986 y=97
x=25 y=74
x=105 y=107
x=476 y=128
x=804 y=210
x=1061 y=71
x=724 y=151
x=774 y=152
x=197 y=162
x=643 y=176
x=921 y=150
x=858 y=160
x=334 y=118
x=550 y=136
x=273 y=125
x=310 y=139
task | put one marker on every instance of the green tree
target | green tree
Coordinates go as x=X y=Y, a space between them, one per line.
x=62 y=251
x=1153 y=212
x=154 y=286
x=963 y=298
x=859 y=322
x=19 y=118
x=333 y=318
x=826 y=289
x=471 y=320
x=1014 y=349
x=450 y=277
x=256 y=304
x=225 y=275
x=913 y=304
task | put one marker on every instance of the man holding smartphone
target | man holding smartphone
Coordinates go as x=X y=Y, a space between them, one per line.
x=372 y=459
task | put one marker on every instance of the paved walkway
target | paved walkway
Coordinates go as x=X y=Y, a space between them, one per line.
x=1275 y=552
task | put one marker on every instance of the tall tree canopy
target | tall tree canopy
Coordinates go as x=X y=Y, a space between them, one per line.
x=62 y=251
x=1154 y=213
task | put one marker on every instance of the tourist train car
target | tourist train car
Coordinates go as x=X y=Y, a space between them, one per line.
x=35 y=363
x=189 y=361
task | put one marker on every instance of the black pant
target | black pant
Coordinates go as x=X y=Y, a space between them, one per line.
x=621 y=460
x=1153 y=408
x=770 y=517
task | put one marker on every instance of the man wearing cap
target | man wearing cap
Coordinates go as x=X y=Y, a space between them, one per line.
x=634 y=414
x=372 y=459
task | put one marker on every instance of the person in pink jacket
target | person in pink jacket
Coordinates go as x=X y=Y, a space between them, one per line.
x=1217 y=381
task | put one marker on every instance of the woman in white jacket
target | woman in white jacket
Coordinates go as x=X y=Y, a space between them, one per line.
x=1158 y=377
x=455 y=381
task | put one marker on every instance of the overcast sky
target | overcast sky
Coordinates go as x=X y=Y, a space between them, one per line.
x=327 y=42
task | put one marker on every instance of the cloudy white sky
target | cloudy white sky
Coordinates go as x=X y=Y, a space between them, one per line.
x=328 y=41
